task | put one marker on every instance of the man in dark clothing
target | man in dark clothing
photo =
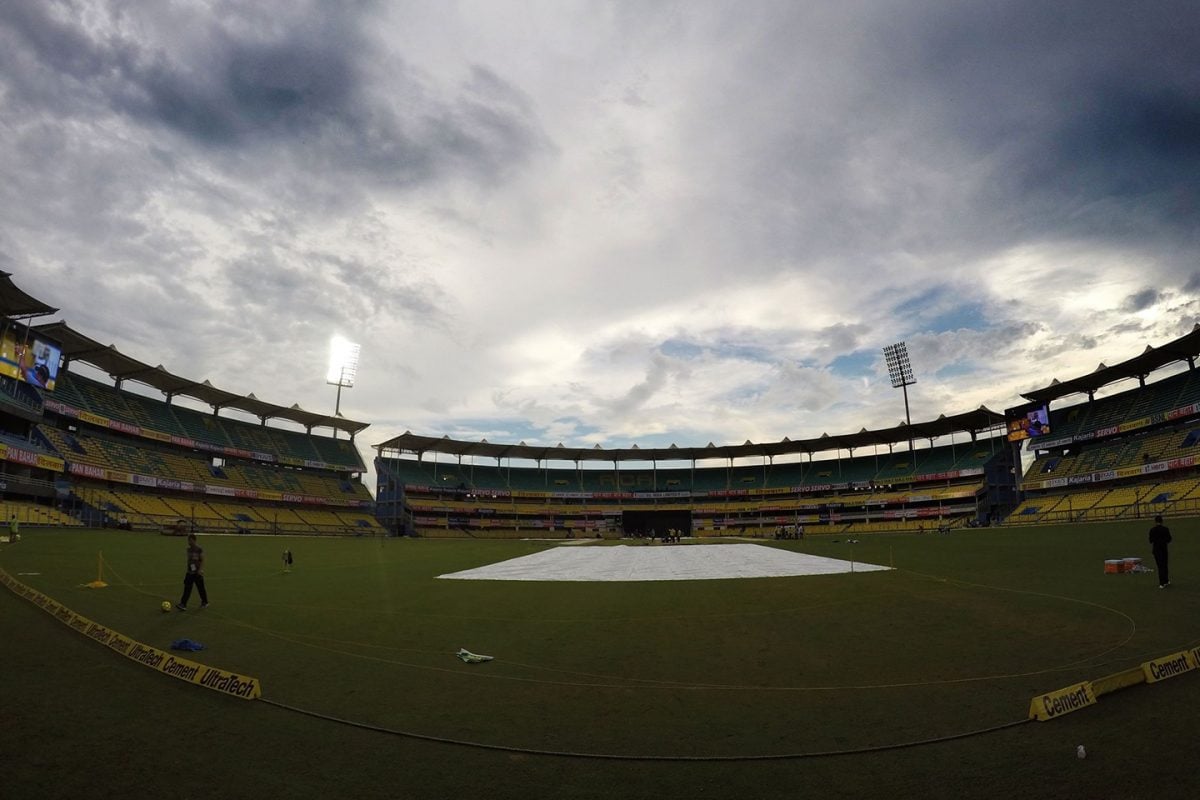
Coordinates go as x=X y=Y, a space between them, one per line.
x=1160 y=537
x=194 y=575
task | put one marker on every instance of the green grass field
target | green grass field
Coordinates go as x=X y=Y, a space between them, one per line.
x=735 y=688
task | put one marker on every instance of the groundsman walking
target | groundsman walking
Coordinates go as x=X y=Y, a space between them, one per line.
x=194 y=575
x=1160 y=537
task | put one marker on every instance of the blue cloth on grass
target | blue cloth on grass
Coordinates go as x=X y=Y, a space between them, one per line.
x=186 y=644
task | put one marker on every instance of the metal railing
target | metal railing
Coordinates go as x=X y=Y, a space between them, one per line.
x=1134 y=511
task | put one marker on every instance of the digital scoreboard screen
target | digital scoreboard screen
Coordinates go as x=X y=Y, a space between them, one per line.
x=1027 y=422
x=30 y=359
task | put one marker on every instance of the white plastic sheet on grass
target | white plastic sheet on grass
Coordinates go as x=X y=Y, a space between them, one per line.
x=660 y=563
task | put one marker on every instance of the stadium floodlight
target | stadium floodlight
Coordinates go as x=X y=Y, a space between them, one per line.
x=343 y=367
x=900 y=371
x=343 y=362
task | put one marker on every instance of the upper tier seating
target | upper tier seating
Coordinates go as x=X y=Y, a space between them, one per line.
x=136 y=409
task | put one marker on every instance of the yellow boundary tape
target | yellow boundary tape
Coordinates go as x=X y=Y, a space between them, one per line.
x=1052 y=705
x=227 y=683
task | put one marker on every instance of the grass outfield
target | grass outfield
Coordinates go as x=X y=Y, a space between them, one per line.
x=956 y=639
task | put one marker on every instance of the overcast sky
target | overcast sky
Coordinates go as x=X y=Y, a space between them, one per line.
x=613 y=223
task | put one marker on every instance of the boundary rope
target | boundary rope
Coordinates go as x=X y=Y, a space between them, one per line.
x=619 y=757
x=689 y=758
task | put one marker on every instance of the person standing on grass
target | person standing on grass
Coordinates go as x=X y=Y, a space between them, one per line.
x=194 y=575
x=1160 y=537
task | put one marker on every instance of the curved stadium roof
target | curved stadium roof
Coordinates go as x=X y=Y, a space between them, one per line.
x=1185 y=348
x=15 y=303
x=117 y=365
x=970 y=422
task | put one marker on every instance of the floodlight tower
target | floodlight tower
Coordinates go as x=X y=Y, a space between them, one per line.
x=900 y=371
x=343 y=366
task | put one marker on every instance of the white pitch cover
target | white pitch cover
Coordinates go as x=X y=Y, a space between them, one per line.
x=660 y=563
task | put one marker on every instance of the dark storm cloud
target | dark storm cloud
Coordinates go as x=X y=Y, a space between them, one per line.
x=956 y=127
x=304 y=79
x=176 y=159
x=658 y=373
x=1091 y=113
x=42 y=47
x=288 y=89
x=1129 y=326
x=1139 y=301
x=1151 y=135
x=323 y=290
x=841 y=337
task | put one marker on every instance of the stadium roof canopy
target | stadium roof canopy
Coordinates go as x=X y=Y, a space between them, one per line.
x=15 y=302
x=108 y=358
x=970 y=422
x=1185 y=348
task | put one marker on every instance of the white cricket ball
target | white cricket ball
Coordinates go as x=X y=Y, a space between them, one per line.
x=1080 y=752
